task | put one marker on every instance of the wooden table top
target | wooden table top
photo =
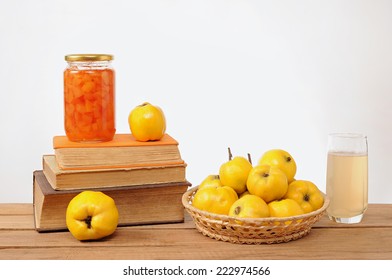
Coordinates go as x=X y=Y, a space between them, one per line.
x=371 y=239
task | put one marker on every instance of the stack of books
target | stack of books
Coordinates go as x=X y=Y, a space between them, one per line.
x=145 y=179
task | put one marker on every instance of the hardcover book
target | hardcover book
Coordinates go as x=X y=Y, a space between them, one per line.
x=137 y=205
x=65 y=179
x=123 y=151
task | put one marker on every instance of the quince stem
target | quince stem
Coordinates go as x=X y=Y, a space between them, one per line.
x=249 y=158
x=230 y=154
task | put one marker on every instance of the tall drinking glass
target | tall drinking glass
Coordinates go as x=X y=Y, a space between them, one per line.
x=347 y=177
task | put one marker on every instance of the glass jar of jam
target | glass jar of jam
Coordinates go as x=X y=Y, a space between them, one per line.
x=89 y=98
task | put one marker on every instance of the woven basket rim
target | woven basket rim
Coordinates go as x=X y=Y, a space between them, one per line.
x=187 y=204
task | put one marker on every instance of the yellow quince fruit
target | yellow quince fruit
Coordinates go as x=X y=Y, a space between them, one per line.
x=285 y=208
x=234 y=173
x=147 y=122
x=216 y=200
x=306 y=193
x=282 y=160
x=249 y=206
x=267 y=182
x=211 y=181
x=91 y=215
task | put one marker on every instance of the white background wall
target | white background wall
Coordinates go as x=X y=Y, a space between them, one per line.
x=252 y=75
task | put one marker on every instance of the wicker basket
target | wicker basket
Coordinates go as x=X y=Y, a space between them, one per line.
x=251 y=231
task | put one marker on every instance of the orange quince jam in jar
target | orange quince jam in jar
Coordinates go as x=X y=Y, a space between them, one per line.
x=89 y=98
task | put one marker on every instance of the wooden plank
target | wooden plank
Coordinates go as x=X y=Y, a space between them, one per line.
x=370 y=239
x=377 y=215
x=16 y=222
x=16 y=216
x=130 y=243
x=16 y=208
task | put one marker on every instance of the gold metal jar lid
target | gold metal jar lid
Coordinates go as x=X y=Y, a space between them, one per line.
x=88 y=57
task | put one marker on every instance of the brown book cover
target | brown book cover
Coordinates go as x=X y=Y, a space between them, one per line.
x=123 y=151
x=61 y=179
x=137 y=205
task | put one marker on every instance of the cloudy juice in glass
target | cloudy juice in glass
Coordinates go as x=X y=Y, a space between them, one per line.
x=347 y=177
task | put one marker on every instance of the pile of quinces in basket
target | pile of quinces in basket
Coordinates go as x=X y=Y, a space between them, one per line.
x=267 y=189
